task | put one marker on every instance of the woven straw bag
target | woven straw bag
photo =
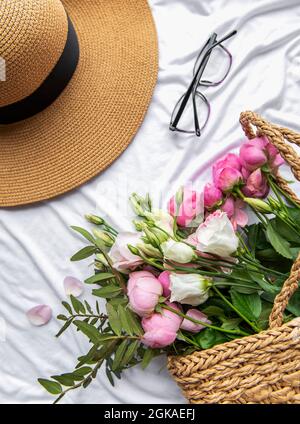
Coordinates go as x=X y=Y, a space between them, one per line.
x=265 y=367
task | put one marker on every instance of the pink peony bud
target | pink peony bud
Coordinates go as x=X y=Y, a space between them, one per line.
x=161 y=328
x=274 y=158
x=256 y=185
x=143 y=290
x=159 y=338
x=228 y=178
x=192 y=326
x=73 y=286
x=39 y=315
x=229 y=161
x=190 y=206
x=164 y=279
x=212 y=196
x=252 y=156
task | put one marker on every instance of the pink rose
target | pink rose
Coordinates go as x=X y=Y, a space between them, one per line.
x=164 y=279
x=229 y=161
x=274 y=158
x=235 y=212
x=121 y=256
x=161 y=328
x=192 y=326
x=190 y=206
x=252 y=156
x=144 y=291
x=256 y=185
x=228 y=178
x=212 y=196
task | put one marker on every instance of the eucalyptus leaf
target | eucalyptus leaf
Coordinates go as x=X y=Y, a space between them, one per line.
x=67 y=306
x=64 y=379
x=125 y=318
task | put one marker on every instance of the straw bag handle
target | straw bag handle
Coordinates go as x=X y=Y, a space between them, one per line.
x=278 y=137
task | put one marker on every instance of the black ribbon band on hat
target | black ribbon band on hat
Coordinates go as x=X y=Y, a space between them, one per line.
x=51 y=88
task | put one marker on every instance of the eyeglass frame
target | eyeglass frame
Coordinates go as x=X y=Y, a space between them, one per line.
x=196 y=81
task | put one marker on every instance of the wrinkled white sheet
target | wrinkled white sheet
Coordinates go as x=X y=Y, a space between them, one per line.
x=36 y=242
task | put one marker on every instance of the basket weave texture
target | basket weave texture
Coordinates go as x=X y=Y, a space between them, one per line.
x=265 y=367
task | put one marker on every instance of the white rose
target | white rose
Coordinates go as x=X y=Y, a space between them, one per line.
x=190 y=289
x=177 y=251
x=123 y=259
x=216 y=235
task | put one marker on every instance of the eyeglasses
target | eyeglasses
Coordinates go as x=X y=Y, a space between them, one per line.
x=206 y=73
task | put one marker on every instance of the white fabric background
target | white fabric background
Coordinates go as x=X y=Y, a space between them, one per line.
x=36 y=242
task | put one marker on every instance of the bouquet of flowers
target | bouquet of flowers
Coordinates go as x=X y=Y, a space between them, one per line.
x=191 y=277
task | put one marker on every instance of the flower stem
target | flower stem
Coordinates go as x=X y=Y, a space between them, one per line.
x=253 y=326
x=205 y=324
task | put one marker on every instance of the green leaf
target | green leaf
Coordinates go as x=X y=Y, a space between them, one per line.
x=134 y=323
x=68 y=307
x=99 y=277
x=88 y=307
x=83 y=371
x=262 y=282
x=84 y=233
x=209 y=337
x=114 y=319
x=248 y=304
x=125 y=319
x=294 y=304
x=211 y=311
x=64 y=379
x=90 y=331
x=62 y=317
x=51 y=386
x=231 y=323
x=119 y=355
x=107 y=292
x=286 y=231
x=279 y=243
x=64 y=327
x=77 y=305
x=109 y=376
x=84 y=253
x=147 y=358
x=130 y=352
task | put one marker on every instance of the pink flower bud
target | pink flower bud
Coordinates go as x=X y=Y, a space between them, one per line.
x=192 y=326
x=164 y=279
x=228 y=178
x=256 y=185
x=274 y=158
x=39 y=315
x=161 y=328
x=235 y=212
x=159 y=338
x=252 y=156
x=212 y=196
x=190 y=206
x=143 y=291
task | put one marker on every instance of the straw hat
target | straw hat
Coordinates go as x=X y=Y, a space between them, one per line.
x=76 y=78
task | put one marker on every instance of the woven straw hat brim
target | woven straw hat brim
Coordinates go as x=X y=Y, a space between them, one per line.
x=97 y=115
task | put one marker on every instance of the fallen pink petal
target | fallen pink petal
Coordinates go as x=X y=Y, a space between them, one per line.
x=73 y=286
x=39 y=315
